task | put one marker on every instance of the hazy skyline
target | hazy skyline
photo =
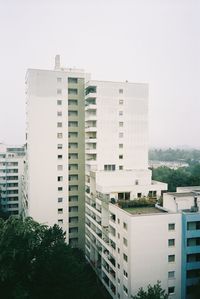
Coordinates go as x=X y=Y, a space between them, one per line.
x=151 y=41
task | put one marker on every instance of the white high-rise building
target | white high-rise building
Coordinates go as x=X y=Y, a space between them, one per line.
x=123 y=243
x=55 y=148
x=12 y=159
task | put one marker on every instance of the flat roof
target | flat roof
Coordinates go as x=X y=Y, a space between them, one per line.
x=143 y=210
x=181 y=194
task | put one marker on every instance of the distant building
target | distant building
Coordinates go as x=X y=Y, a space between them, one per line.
x=12 y=160
x=169 y=164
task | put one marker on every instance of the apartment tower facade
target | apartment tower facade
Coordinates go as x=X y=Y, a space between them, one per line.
x=55 y=149
x=117 y=172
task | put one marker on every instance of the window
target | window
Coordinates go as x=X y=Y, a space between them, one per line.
x=60 y=199
x=171 y=242
x=59 y=156
x=59 y=146
x=121 y=167
x=73 y=230
x=73 y=156
x=73 y=219
x=72 y=112
x=171 y=258
x=120 y=156
x=125 y=257
x=121 y=124
x=193 y=242
x=59 y=125
x=59 y=135
x=73 y=134
x=59 y=102
x=125 y=226
x=121 y=145
x=118 y=235
x=136 y=182
x=193 y=225
x=73 y=209
x=125 y=241
x=59 y=91
x=73 y=198
x=73 y=242
x=120 y=90
x=171 y=274
x=59 y=113
x=171 y=226
x=109 y=167
x=73 y=166
x=121 y=102
x=60 y=188
x=59 y=178
x=73 y=187
x=171 y=290
x=60 y=211
x=118 y=266
x=125 y=274
x=120 y=113
x=59 y=167
x=121 y=135
x=60 y=221
x=125 y=289
x=73 y=124
x=73 y=177
x=72 y=102
x=73 y=91
x=59 y=80
x=72 y=80
x=73 y=145
x=90 y=89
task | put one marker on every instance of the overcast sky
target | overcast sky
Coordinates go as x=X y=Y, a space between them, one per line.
x=153 y=41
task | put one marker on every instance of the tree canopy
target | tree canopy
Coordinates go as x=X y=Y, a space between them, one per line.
x=174 y=155
x=36 y=263
x=184 y=176
x=152 y=292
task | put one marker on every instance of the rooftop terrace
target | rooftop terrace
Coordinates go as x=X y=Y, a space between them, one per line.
x=143 y=210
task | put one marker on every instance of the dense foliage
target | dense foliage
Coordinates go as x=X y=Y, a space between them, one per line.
x=36 y=263
x=185 y=176
x=174 y=155
x=137 y=203
x=152 y=292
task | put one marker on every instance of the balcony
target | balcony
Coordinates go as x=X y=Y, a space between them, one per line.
x=193 y=249
x=90 y=129
x=91 y=151
x=91 y=140
x=90 y=116
x=193 y=265
x=90 y=107
x=90 y=95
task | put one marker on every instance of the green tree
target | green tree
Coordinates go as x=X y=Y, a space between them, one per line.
x=36 y=263
x=153 y=292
